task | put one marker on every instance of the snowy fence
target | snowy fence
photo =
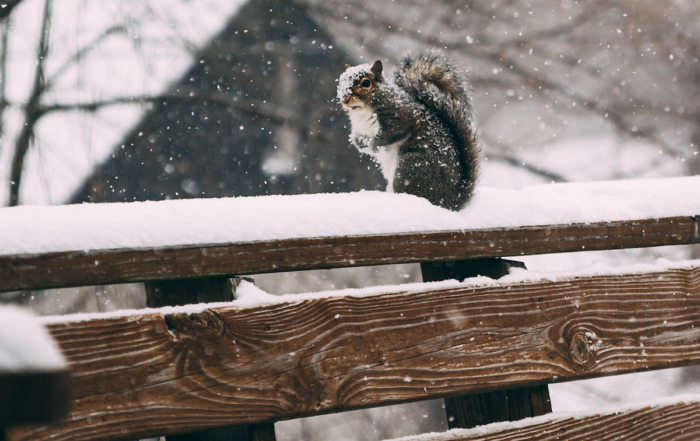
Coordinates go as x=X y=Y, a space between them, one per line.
x=262 y=358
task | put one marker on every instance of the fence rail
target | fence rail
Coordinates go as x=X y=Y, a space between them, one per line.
x=156 y=373
x=106 y=266
x=172 y=371
x=670 y=422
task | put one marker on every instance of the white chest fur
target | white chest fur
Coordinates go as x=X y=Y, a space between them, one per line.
x=364 y=122
x=388 y=159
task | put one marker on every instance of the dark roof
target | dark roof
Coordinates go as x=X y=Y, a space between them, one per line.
x=259 y=96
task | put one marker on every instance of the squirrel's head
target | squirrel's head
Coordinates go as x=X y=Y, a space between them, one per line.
x=357 y=85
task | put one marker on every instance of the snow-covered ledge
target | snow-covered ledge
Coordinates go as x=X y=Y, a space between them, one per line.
x=248 y=295
x=42 y=229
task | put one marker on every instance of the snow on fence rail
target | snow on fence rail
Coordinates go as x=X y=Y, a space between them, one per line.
x=156 y=372
x=44 y=247
x=176 y=370
x=665 y=421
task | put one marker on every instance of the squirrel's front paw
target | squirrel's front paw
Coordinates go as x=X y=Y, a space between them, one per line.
x=371 y=144
x=364 y=144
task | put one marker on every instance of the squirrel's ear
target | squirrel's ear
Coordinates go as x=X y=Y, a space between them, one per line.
x=347 y=66
x=377 y=71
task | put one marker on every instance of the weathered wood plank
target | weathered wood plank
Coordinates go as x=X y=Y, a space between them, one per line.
x=468 y=411
x=205 y=290
x=151 y=374
x=97 y=267
x=670 y=422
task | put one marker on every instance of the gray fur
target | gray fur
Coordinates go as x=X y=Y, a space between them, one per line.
x=429 y=107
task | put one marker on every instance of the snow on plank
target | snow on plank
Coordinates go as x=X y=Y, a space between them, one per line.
x=181 y=369
x=87 y=244
x=663 y=421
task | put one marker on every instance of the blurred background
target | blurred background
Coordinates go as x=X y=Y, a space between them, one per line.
x=132 y=100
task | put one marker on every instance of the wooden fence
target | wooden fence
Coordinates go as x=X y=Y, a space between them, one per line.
x=490 y=349
x=664 y=422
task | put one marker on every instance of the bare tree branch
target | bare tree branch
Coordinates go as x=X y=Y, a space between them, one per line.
x=578 y=72
x=536 y=81
x=5 y=23
x=272 y=111
x=519 y=163
x=78 y=55
x=548 y=34
x=32 y=112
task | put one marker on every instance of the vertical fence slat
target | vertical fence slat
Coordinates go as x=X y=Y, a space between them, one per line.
x=491 y=407
x=206 y=289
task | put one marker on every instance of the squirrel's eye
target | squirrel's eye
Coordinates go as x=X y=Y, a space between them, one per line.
x=365 y=83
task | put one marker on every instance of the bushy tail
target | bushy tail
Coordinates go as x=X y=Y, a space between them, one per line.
x=437 y=84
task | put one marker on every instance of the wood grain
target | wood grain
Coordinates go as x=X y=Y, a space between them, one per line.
x=673 y=422
x=152 y=374
x=80 y=268
x=467 y=411
x=205 y=290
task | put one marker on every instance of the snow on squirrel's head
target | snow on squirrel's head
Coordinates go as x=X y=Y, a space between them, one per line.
x=358 y=83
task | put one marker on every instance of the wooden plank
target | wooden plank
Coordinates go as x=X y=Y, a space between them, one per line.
x=469 y=411
x=670 y=422
x=154 y=374
x=97 y=267
x=208 y=289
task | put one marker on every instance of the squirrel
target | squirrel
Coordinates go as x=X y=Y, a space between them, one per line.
x=418 y=128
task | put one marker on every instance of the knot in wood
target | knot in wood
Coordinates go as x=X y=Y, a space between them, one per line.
x=204 y=324
x=581 y=351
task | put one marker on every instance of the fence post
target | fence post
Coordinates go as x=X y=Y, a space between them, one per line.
x=205 y=290
x=490 y=407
